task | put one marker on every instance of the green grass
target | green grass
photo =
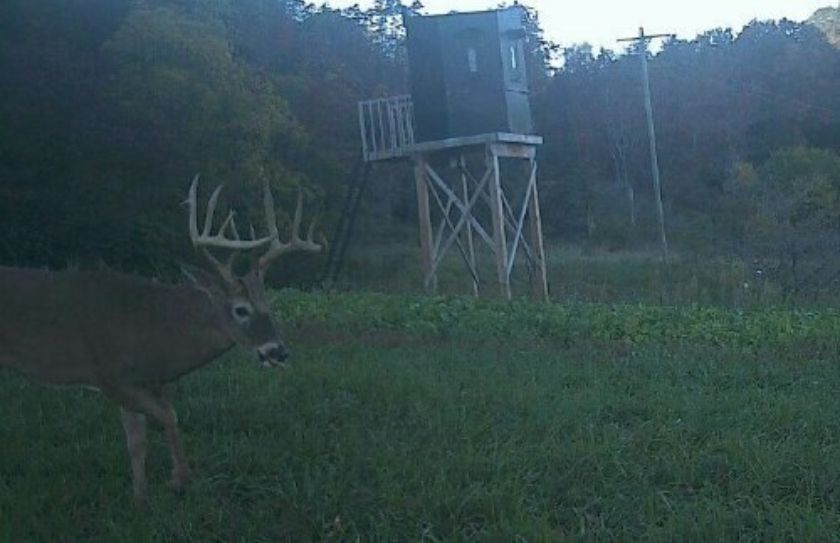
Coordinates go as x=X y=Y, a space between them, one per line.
x=396 y=432
x=587 y=275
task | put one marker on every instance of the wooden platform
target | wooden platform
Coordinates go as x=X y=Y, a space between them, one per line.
x=387 y=132
x=508 y=145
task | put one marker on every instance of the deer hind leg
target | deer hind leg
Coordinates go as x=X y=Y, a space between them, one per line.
x=134 y=425
x=159 y=409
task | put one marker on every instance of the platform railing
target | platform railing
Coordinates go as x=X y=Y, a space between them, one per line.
x=387 y=127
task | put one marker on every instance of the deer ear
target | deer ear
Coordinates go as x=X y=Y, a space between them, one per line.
x=202 y=280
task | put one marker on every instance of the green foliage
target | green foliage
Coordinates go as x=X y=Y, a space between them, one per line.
x=789 y=215
x=634 y=325
x=112 y=111
x=180 y=88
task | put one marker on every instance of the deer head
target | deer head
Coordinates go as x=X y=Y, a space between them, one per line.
x=241 y=301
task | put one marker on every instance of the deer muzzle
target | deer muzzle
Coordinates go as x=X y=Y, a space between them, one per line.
x=273 y=354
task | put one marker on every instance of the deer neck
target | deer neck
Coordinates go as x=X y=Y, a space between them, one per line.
x=206 y=336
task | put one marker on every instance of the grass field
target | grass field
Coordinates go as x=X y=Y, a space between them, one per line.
x=394 y=429
x=590 y=274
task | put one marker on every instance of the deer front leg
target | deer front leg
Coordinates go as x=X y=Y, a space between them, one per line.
x=140 y=400
x=134 y=425
x=180 y=467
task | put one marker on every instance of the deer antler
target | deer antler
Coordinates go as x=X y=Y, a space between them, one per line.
x=295 y=243
x=206 y=239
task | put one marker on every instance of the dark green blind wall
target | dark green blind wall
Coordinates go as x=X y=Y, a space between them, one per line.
x=468 y=74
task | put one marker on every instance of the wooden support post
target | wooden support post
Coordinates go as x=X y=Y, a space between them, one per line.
x=469 y=230
x=540 y=279
x=497 y=210
x=425 y=222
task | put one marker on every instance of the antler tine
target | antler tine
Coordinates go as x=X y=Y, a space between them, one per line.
x=277 y=247
x=192 y=196
x=270 y=215
x=229 y=223
x=211 y=212
x=234 y=230
x=206 y=239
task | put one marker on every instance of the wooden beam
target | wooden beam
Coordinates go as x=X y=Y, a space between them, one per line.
x=514 y=150
x=519 y=224
x=448 y=191
x=469 y=230
x=540 y=283
x=511 y=222
x=498 y=214
x=479 y=141
x=445 y=210
x=425 y=222
x=465 y=217
x=510 y=218
x=440 y=252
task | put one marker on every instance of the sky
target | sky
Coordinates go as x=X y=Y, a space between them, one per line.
x=600 y=22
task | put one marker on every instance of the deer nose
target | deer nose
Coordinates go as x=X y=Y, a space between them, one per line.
x=273 y=352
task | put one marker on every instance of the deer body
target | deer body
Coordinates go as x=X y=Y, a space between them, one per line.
x=131 y=337
x=100 y=328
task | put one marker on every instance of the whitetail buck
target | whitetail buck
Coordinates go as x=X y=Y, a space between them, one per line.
x=131 y=337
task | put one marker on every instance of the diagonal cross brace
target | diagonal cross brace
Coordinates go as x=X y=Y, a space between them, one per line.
x=510 y=222
x=447 y=221
x=465 y=216
x=530 y=190
x=508 y=217
x=442 y=225
x=464 y=209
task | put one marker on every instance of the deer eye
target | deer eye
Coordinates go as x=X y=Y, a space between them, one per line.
x=242 y=312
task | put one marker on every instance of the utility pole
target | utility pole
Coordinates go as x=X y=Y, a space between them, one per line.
x=642 y=40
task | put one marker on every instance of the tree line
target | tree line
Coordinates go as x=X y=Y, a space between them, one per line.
x=748 y=130
x=109 y=107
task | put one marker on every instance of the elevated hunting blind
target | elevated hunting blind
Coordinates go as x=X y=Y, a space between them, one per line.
x=467 y=113
x=468 y=74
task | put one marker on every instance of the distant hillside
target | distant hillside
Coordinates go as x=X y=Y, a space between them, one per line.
x=828 y=20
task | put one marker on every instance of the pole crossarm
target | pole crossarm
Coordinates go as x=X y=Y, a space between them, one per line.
x=646 y=37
